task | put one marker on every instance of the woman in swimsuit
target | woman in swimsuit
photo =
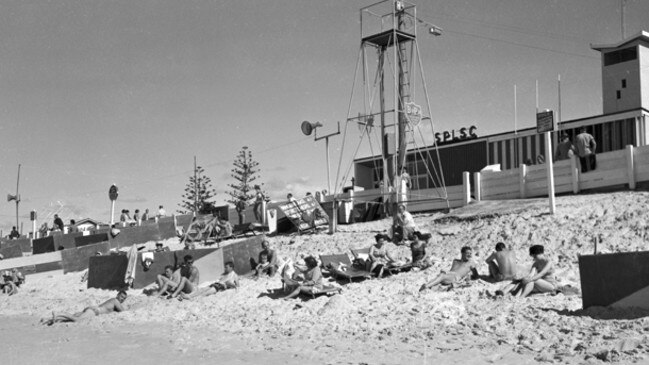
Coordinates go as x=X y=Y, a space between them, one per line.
x=541 y=278
x=312 y=279
x=418 y=249
x=379 y=255
x=109 y=306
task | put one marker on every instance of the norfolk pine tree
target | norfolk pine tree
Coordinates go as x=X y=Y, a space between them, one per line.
x=199 y=190
x=244 y=172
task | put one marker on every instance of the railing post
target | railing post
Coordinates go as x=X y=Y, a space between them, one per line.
x=477 y=186
x=630 y=168
x=574 y=172
x=522 y=176
x=466 y=184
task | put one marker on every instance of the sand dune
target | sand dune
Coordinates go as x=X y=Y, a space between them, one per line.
x=387 y=320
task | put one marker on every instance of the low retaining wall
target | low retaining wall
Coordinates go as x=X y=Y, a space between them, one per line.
x=618 y=279
x=107 y=272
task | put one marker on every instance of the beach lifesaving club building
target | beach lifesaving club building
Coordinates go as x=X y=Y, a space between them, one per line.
x=625 y=94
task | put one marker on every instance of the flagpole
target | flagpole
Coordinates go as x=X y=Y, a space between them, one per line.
x=17 y=197
x=515 y=129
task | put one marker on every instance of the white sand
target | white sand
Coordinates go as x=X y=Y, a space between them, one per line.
x=374 y=321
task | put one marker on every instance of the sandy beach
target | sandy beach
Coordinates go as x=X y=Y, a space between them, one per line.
x=378 y=321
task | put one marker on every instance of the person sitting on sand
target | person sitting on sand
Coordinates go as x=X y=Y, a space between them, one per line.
x=11 y=281
x=271 y=256
x=263 y=263
x=404 y=225
x=312 y=283
x=229 y=280
x=167 y=281
x=502 y=263
x=541 y=278
x=109 y=306
x=420 y=258
x=460 y=269
x=378 y=254
x=189 y=278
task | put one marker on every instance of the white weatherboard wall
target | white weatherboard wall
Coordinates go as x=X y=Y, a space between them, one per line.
x=622 y=167
x=627 y=166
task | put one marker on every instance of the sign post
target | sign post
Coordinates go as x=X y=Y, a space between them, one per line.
x=545 y=125
x=112 y=195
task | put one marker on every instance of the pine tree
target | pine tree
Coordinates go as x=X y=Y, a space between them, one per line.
x=244 y=172
x=198 y=191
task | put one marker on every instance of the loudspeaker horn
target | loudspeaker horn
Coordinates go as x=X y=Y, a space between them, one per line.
x=308 y=127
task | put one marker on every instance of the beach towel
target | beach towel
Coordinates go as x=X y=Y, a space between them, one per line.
x=129 y=277
x=147 y=256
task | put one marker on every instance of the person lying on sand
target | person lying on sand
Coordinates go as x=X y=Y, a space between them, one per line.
x=459 y=271
x=502 y=263
x=312 y=283
x=189 y=278
x=167 y=281
x=109 y=306
x=229 y=280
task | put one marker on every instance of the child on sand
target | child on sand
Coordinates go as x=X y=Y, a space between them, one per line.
x=460 y=269
x=109 y=306
x=263 y=264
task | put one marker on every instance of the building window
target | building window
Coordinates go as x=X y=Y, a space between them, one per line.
x=624 y=83
x=619 y=94
x=619 y=56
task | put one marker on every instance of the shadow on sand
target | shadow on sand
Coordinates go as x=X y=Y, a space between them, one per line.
x=603 y=313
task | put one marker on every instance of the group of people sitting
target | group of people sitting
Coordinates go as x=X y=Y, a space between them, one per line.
x=503 y=268
x=502 y=263
x=183 y=283
x=11 y=281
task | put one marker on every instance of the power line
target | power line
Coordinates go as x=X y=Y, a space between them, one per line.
x=524 y=45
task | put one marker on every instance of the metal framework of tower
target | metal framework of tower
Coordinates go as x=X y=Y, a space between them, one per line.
x=389 y=31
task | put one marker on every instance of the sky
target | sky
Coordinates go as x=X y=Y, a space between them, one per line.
x=94 y=93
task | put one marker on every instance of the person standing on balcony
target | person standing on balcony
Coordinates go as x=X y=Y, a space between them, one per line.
x=586 y=146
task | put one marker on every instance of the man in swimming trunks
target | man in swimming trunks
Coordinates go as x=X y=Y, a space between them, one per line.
x=189 y=278
x=229 y=280
x=459 y=271
x=109 y=306
x=168 y=281
x=502 y=263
